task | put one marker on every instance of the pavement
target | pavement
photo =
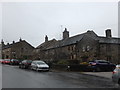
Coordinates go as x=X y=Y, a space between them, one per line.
x=100 y=74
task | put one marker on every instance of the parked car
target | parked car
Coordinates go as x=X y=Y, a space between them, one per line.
x=14 y=62
x=6 y=61
x=116 y=75
x=39 y=66
x=101 y=65
x=1 y=60
x=25 y=64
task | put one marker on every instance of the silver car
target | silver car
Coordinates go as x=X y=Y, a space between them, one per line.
x=116 y=75
x=39 y=66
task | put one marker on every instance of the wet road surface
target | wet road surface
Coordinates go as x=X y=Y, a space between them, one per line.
x=13 y=77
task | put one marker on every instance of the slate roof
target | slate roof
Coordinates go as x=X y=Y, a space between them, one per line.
x=72 y=40
x=47 y=44
x=109 y=40
x=7 y=46
x=10 y=45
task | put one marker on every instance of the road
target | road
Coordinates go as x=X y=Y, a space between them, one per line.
x=13 y=77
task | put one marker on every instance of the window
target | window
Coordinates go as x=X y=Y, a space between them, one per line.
x=21 y=49
x=7 y=56
x=68 y=48
x=74 y=56
x=88 y=48
x=74 y=47
x=83 y=49
x=71 y=57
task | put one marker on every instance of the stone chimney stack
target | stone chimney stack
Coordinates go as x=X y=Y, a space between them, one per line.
x=65 y=34
x=20 y=40
x=108 y=33
x=46 y=38
x=8 y=44
x=13 y=42
x=2 y=42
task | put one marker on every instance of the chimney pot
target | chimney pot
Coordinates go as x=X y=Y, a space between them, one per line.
x=108 y=33
x=65 y=34
x=13 y=42
x=46 y=38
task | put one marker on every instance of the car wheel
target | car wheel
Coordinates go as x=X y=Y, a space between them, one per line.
x=36 y=69
x=24 y=67
x=19 y=66
x=31 y=68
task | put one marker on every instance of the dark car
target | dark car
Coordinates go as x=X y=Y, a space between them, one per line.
x=25 y=64
x=14 y=62
x=101 y=65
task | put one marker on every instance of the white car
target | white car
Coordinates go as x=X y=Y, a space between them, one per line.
x=39 y=66
x=116 y=75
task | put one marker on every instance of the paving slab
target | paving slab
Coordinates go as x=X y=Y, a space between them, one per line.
x=100 y=74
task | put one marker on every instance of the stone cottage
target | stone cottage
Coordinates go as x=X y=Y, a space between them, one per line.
x=84 y=47
x=17 y=50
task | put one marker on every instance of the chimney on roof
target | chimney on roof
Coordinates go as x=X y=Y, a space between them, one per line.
x=2 y=42
x=7 y=43
x=65 y=34
x=108 y=33
x=13 y=42
x=46 y=38
x=20 y=39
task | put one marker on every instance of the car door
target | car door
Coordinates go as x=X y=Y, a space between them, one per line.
x=33 y=65
x=23 y=63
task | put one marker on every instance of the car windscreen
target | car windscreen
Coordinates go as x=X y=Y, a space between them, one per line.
x=7 y=60
x=40 y=63
x=102 y=61
x=14 y=60
x=29 y=61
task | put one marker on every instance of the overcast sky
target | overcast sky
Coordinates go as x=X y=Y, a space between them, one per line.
x=32 y=21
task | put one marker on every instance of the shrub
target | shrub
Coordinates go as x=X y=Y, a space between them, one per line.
x=73 y=62
x=63 y=62
x=84 y=63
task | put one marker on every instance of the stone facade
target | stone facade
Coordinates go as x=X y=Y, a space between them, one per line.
x=18 y=50
x=84 y=47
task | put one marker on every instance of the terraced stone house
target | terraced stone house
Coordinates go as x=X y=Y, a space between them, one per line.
x=84 y=47
x=17 y=50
